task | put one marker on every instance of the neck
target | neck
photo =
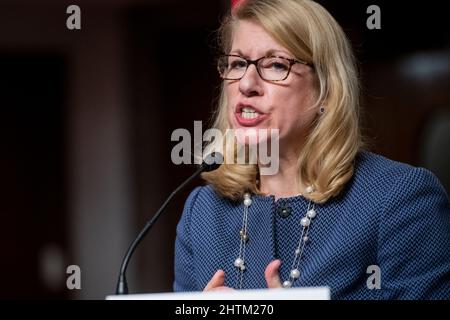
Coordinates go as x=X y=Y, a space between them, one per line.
x=285 y=183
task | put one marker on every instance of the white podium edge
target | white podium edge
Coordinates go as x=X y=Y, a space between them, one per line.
x=305 y=293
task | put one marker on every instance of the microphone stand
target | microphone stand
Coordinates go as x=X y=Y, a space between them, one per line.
x=207 y=165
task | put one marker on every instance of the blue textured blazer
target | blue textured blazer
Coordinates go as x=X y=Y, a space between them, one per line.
x=390 y=215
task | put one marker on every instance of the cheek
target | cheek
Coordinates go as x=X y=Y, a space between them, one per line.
x=287 y=103
x=294 y=110
x=231 y=95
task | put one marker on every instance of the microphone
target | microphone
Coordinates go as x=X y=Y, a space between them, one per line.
x=211 y=162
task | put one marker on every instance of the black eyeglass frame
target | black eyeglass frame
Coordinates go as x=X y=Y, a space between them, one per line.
x=255 y=63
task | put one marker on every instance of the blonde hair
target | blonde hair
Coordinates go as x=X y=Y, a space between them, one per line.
x=311 y=34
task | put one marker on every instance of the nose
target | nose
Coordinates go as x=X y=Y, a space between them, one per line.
x=250 y=84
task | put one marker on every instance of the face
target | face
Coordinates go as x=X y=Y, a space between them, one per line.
x=254 y=103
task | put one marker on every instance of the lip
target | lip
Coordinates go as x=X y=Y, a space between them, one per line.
x=249 y=122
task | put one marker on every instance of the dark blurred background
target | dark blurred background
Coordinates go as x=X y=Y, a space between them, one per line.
x=86 y=118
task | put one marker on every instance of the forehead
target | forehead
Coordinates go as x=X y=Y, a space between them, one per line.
x=251 y=39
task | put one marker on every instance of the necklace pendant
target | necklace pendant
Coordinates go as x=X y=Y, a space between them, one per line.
x=239 y=263
x=243 y=235
x=305 y=222
x=311 y=214
x=295 y=274
x=247 y=200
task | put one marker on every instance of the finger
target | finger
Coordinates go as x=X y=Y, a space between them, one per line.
x=272 y=276
x=216 y=281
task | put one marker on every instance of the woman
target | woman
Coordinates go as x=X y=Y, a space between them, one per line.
x=333 y=215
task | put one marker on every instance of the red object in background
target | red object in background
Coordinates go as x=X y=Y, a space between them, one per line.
x=234 y=3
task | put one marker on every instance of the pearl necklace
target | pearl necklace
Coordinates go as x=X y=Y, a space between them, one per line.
x=305 y=222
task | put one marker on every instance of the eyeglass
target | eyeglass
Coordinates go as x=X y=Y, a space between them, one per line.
x=273 y=68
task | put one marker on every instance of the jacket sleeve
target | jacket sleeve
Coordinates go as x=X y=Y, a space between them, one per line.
x=414 y=238
x=184 y=264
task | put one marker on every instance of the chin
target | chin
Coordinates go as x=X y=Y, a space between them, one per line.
x=251 y=136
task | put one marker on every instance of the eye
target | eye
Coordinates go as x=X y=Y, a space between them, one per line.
x=275 y=64
x=237 y=64
x=279 y=66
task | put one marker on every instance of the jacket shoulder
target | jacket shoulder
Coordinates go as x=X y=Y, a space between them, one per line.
x=383 y=173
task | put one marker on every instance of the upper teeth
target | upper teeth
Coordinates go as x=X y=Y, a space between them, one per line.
x=248 y=109
x=249 y=113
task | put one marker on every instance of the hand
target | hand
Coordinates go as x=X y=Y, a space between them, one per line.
x=217 y=282
x=272 y=276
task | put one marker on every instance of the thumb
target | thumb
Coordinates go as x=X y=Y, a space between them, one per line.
x=272 y=276
x=216 y=281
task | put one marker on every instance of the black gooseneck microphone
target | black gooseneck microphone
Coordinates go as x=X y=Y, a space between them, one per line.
x=210 y=163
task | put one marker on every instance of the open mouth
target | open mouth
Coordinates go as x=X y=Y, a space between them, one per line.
x=249 y=116
x=249 y=113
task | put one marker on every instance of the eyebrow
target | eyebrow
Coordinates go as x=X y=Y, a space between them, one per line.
x=268 y=53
